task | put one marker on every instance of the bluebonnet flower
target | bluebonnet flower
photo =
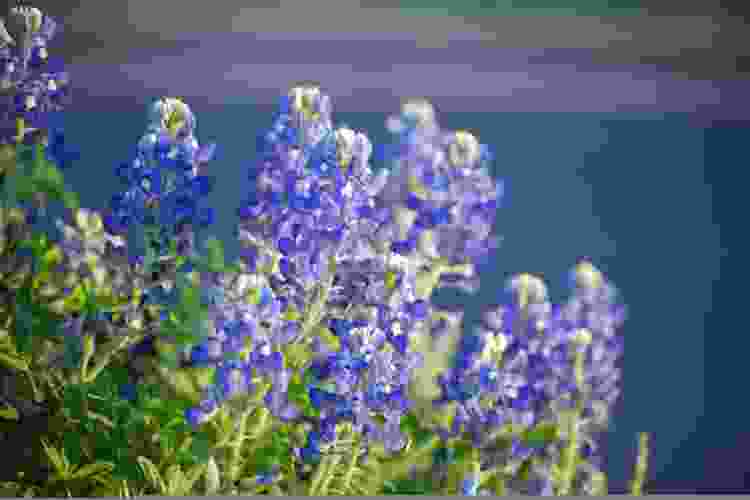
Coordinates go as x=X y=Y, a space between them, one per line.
x=470 y=485
x=33 y=85
x=521 y=360
x=197 y=415
x=234 y=378
x=309 y=188
x=268 y=477
x=441 y=194
x=164 y=185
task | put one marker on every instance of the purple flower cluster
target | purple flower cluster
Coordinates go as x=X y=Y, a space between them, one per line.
x=338 y=261
x=518 y=367
x=313 y=193
x=440 y=182
x=352 y=256
x=32 y=84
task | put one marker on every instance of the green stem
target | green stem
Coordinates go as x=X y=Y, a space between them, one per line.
x=88 y=351
x=320 y=473
x=399 y=467
x=36 y=393
x=498 y=484
x=351 y=466
x=315 y=313
x=234 y=457
x=328 y=475
x=570 y=453
x=641 y=466
x=112 y=348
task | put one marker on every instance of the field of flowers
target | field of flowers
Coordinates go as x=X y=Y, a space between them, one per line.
x=316 y=364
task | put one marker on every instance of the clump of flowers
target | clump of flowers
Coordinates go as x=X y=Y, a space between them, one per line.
x=316 y=364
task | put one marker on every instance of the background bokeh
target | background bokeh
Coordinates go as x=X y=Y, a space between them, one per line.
x=619 y=132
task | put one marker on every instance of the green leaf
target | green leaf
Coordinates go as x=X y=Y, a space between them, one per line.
x=525 y=470
x=127 y=469
x=541 y=435
x=72 y=447
x=193 y=474
x=9 y=413
x=167 y=440
x=169 y=359
x=73 y=352
x=70 y=200
x=13 y=362
x=462 y=450
x=151 y=472
x=200 y=448
x=92 y=470
x=57 y=459
x=74 y=397
x=215 y=253
x=104 y=448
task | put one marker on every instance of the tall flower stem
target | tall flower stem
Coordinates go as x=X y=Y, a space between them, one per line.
x=233 y=468
x=316 y=311
x=570 y=452
x=641 y=466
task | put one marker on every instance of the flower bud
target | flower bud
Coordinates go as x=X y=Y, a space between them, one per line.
x=582 y=337
x=31 y=17
x=419 y=110
x=345 y=138
x=464 y=150
x=527 y=289
x=586 y=276
x=404 y=219
x=305 y=99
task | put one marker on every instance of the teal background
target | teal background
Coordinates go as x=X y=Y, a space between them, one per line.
x=632 y=191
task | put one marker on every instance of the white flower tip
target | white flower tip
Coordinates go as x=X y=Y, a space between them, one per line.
x=586 y=276
x=419 y=109
x=464 y=150
x=31 y=15
x=169 y=113
x=582 y=336
x=345 y=138
x=306 y=98
x=527 y=289
x=88 y=221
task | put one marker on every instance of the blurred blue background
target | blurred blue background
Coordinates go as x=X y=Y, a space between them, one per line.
x=618 y=128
